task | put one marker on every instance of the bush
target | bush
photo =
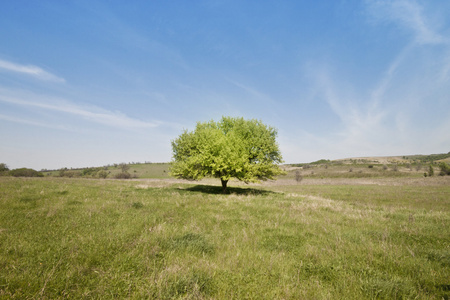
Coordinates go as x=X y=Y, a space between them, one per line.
x=102 y=174
x=3 y=169
x=123 y=175
x=25 y=172
x=431 y=171
x=445 y=169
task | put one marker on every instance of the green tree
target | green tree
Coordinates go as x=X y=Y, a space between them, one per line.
x=231 y=148
x=445 y=169
x=3 y=167
x=431 y=171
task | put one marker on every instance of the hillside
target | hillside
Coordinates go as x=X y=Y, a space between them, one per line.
x=361 y=167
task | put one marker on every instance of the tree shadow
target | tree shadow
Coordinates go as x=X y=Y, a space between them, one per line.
x=217 y=190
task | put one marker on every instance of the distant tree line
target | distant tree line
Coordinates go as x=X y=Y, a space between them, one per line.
x=22 y=172
x=427 y=158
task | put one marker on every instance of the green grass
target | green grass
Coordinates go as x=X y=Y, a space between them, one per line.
x=80 y=238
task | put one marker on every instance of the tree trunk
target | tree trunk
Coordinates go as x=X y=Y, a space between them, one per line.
x=224 y=185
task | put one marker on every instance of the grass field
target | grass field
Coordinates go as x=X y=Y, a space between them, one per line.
x=386 y=238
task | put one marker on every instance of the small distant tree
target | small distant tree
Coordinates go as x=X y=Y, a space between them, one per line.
x=124 y=167
x=62 y=172
x=231 y=148
x=445 y=169
x=3 y=167
x=102 y=174
x=122 y=175
x=431 y=171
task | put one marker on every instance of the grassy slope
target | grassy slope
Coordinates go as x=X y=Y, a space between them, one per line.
x=393 y=166
x=114 y=239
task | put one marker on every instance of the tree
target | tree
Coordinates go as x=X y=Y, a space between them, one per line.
x=124 y=167
x=231 y=148
x=431 y=171
x=3 y=167
x=445 y=169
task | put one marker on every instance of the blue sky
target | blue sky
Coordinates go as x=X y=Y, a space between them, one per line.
x=89 y=83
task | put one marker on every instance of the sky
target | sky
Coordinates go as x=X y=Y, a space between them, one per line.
x=90 y=83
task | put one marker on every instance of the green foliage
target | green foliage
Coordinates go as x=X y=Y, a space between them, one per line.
x=318 y=162
x=25 y=172
x=445 y=169
x=102 y=174
x=431 y=171
x=3 y=167
x=64 y=172
x=429 y=158
x=231 y=148
x=124 y=167
x=122 y=175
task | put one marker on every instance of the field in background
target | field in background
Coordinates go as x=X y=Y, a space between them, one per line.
x=332 y=234
x=368 y=167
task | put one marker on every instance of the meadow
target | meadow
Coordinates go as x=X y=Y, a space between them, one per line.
x=320 y=238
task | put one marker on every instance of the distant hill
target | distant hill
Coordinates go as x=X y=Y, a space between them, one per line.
x=385 y=160
x=412 y=159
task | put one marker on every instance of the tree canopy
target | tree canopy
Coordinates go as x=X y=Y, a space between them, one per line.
x=231 y=148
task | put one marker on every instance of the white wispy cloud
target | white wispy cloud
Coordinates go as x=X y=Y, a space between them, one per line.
x=409 y=15
x=362 y=121
x=252 y=91
x=391 y=117
x=92 y=114
x=30 y=70
x=32 y=122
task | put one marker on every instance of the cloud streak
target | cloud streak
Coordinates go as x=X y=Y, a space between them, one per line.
x=409 y=15
x=392 y=116
x=93 y=114
x=32 y=123
x=30 y=70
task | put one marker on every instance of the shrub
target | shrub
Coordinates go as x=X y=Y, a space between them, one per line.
x=102 y=174
x=445 y=169
x=25 y=172
x=90 y=172
x=123 y=175
x=124 y=167
x=62 y=172
x=431 y=171
x=3 y=169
